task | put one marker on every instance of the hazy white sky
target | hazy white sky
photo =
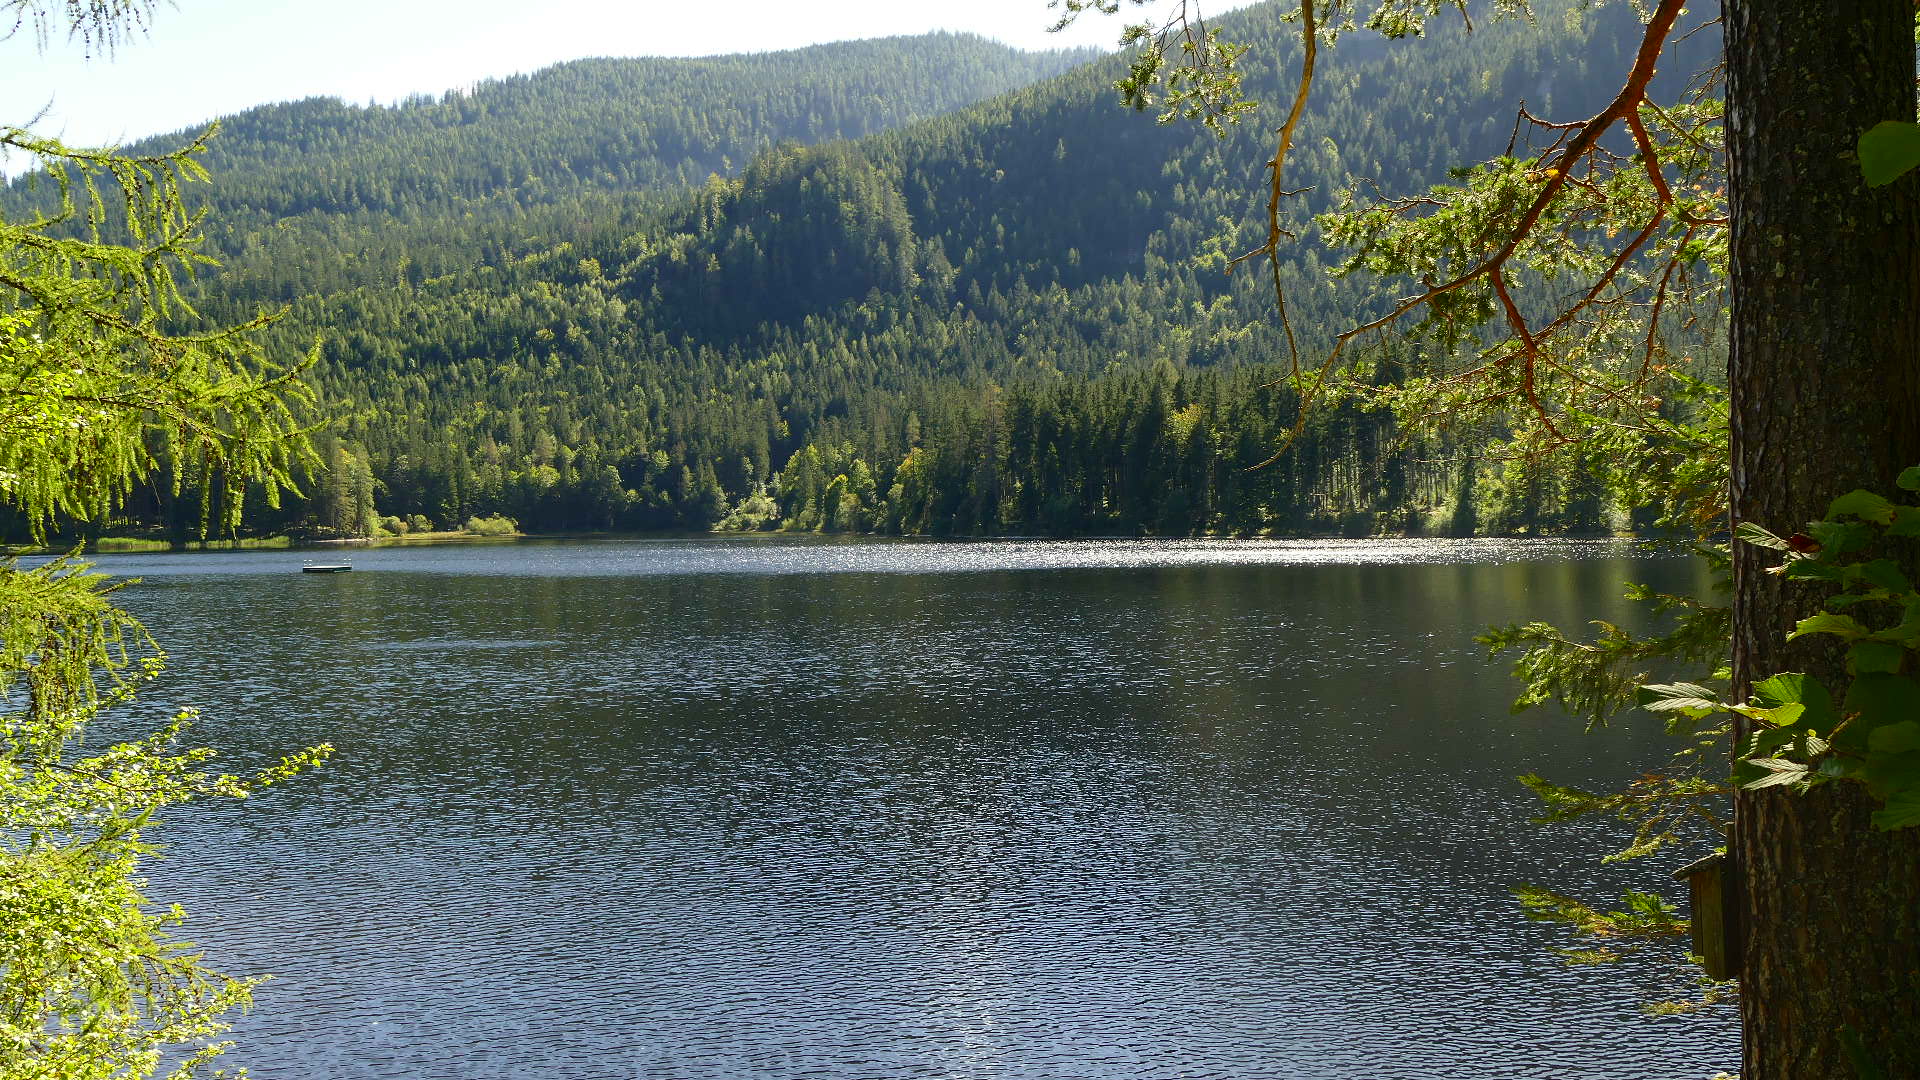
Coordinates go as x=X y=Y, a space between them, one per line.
x=206 y=58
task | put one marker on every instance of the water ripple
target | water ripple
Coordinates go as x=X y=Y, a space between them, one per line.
x=1021 y=810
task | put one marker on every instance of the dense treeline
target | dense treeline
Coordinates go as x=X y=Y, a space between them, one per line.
x=320 y=195
x=1009 y=318
x=607 y=124
x=1161 y=451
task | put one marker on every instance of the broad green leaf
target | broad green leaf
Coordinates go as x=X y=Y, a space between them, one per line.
x=1889 y=774
x=1889 y=150
x=1897 y=738
x=1884 y=574
x=1758 y=536
x=1907 y=630
x=1827 y=622
x=1797 y=687
x=1839 y=767
x=1863 y=504
x=1786 y=687
x=1813 y=569
x=1906 y=521
x=1765 y=743
x=1902 y=811
x=1780 y=716
x=1776 y=772
x=1878 y=699
x=1664 y=697
x=1840 y=537
x=1871 y=656
x=1909 y=478
x=1907 y=633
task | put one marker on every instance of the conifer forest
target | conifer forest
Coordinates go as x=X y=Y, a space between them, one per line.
x=923 y=286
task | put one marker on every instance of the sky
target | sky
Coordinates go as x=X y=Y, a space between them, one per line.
x=206 y=58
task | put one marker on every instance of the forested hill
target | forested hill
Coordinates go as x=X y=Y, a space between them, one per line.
x=606 y=124
x=1009 y=318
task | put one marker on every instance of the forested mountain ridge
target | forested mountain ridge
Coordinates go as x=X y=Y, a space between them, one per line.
x=333 y=194
x=1007 y=318
x=617 y=124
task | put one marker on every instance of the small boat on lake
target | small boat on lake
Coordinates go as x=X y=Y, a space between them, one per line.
x=326 y=568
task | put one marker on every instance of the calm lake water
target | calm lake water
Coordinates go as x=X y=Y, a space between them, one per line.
x=783 y=809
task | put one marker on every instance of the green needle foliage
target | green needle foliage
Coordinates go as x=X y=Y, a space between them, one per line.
x=97 y=391
x=98 y=387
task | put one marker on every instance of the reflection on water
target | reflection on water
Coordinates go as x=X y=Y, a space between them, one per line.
x=786 y=809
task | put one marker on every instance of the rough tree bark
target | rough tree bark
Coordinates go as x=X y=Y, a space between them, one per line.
x=1825 y=380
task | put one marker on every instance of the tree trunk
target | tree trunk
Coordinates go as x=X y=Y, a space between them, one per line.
x=1825 y=381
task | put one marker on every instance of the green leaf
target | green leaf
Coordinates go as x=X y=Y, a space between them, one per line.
x=1884 y=574
x=1839 y=767
x=1765 y=743
x=1906 y=634
x=1813 y=569
x=1895 y=738
x=1785 y=716
x=1906 y=631
x=1840 y=537
x=1902 y=811
x=1797 y=688
x=1782 y=716
x=1875 y=656
x=1758 y=536
x=1909 y=479
x=1878 y=699
x=1665 y=697
x=1863 y=504
x=1888 y=151
x=1827 y=622
x=1906 y=520
x=1788 y=686
x=1776 y=772
x=1888 y=775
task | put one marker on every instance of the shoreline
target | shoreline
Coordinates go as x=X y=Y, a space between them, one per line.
x=149 y=546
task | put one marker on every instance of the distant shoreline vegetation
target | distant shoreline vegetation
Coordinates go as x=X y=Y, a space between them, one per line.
x=478 y=528
x=113 y=545
x=492 y=531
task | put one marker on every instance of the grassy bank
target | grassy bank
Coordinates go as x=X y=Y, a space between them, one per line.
x=114 y=545
x=444 y=536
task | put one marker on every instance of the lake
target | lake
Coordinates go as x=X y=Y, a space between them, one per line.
x=781 y=808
